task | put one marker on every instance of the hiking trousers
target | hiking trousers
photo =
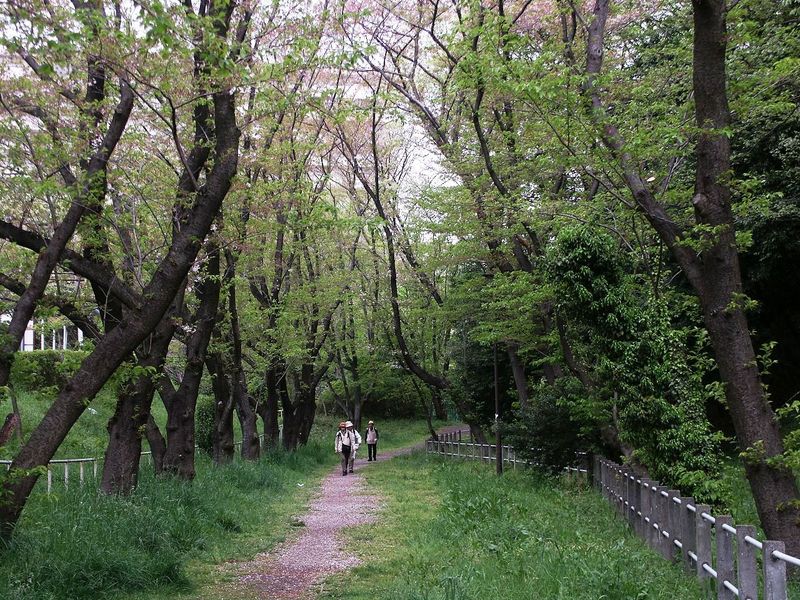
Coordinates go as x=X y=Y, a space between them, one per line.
x=345 y=458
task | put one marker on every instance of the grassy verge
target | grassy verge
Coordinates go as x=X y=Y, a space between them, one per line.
x=87 y=438
x=164 y=539
x=168 y=539
x=453 y=531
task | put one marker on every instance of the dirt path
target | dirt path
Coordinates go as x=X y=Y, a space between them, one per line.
x=291 y=570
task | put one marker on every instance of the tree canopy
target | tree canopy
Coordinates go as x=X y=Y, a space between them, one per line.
x=281 y=208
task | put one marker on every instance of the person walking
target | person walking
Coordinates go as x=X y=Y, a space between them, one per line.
x=372 y=441
x=344 y=444
x=356 y=443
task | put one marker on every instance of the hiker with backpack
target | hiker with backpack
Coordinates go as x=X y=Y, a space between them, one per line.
x=345 y=444
x=372 y=441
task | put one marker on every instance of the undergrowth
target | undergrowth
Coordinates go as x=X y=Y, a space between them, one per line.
x=81 y=544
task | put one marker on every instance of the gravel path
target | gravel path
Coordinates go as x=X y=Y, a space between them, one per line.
x=293 y=569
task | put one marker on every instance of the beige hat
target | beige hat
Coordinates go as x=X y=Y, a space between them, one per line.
x=371 y=423
x=348 y=424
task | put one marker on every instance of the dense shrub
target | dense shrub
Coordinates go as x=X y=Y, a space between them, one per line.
x=550 y=431
x=41 y=369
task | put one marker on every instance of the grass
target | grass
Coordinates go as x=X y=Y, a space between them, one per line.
x=88 y=437
x=454 y=531
x=168 y=539
x=164 y=538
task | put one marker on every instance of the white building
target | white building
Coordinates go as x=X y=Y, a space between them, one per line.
x=48 y=338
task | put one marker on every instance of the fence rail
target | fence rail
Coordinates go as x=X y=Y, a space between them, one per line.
x=60 y=469
x=728 y=557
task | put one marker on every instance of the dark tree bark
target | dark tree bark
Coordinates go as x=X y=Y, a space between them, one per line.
x=181 y=403
x=520 y=379
x=245 y=410
x=223 y=448
x=275 y=398
x=157 y=443
x=125 y=428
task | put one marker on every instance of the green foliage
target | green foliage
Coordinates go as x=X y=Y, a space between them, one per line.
x=204 y=423
x=648 y=366
x=41 y=370
x=553 y=429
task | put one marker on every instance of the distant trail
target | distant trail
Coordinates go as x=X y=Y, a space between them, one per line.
x=293 y=569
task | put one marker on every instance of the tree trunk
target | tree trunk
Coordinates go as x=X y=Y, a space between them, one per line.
x=181 y=404
x=720 y=288
x=298 y=416
x=157 y=443
x=270 y=408
x=223 y=448
x=715 y=274
x=520 y=379
x=247 y=420
x=125 y=428
x=244 y=409
x=438 y=405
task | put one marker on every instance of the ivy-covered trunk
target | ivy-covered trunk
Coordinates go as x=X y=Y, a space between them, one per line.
x=714 y=272
x=717 y=280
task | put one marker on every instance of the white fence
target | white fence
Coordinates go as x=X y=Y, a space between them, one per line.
x=64 y=470
x=728 y=557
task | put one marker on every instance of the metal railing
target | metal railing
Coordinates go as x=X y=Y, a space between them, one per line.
x=728 y=557
x=453 y=444
x=61 y=469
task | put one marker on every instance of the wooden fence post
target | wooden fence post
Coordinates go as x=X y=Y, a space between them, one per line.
x=647 y=512
x=688 y=536
x=629 y=502
x=702 y=540
x=774 y=572
x=725 y=563
x=596 y=471
x=663 y=516
x=634 y=498
x=673 y=523
x=746 y=563
x=637 y=509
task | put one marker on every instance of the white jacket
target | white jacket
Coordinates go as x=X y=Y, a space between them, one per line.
x=342 y=437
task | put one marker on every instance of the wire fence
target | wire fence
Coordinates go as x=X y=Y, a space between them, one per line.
x=65 y=470
x=727 y=557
